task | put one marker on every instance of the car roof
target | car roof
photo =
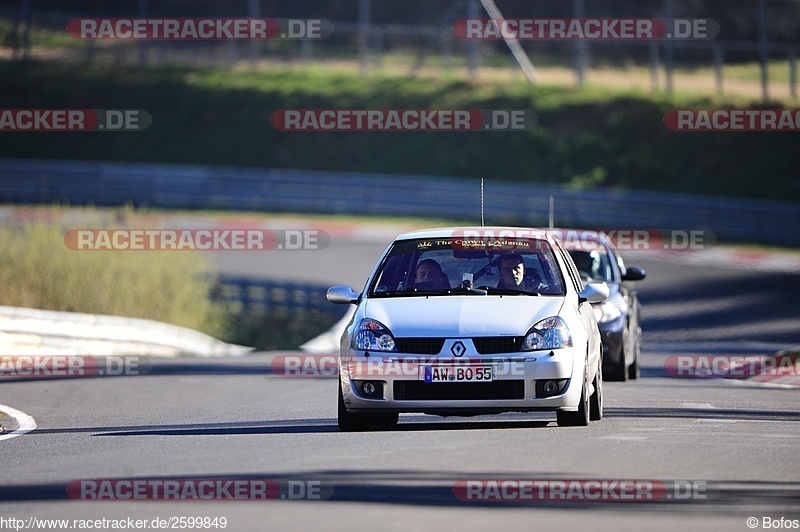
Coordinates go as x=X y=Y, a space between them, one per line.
x=476 y=232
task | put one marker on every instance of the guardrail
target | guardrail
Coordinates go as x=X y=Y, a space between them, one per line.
x=245 y=295
x=527 y=204
x=28 y=331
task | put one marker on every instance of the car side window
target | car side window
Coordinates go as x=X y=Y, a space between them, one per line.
x=551 y=273
x=577 y=282
x=621 y=265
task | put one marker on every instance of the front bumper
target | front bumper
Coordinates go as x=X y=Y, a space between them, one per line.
x=397 y=383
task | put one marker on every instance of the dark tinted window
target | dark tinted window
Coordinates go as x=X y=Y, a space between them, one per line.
x=439 y=266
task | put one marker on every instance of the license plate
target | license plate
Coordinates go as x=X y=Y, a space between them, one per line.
x=457 y=373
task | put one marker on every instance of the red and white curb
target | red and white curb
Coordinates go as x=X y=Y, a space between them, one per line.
x=790 y=379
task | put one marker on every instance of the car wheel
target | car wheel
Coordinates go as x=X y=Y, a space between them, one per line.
x=579 y=418
x=617 y=372
x=349 y=422
x=596 y=400
x=634 y=369
x=385 y=419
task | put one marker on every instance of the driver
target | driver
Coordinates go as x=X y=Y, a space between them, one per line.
x=585 y=263
x=430 y=271
x=512 y=274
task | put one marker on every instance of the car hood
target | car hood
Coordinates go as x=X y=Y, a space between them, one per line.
x=458 y=316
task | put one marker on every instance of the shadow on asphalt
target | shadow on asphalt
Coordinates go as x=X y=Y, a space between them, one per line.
x=328 y=425
x=440 y=489
x=297 y=426
x=766 y=297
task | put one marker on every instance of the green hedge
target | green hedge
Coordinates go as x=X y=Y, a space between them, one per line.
x=585 y=137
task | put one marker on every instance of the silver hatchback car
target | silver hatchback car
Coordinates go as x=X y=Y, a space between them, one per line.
x=471 y=320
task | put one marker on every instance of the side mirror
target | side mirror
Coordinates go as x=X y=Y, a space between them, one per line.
x=633 y=273
x=594 y=293
x=342 y=295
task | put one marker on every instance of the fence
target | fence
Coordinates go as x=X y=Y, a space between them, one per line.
x=367 y=37
x=527 y=204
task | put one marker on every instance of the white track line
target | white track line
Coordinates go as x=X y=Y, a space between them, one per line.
x=26 y=422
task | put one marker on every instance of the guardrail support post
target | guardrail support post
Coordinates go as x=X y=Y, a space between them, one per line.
x=363 y=35
x=762 y=49
x=142 y=10
x=472 y=46
x=652 y=48
x=718 y=68
x=668 y=49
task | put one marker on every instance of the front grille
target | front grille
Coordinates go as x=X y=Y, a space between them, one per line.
x=419 y=346
x=458 y=391
x=489 y=345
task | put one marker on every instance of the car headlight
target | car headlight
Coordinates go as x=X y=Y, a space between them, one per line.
x=372 y=335
x=606 y=312
x=550 y=333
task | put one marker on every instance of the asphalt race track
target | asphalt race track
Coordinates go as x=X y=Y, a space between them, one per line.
x=710 y=453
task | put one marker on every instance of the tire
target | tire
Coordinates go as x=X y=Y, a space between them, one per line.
x=385 y=419
x=579 y=418
x=634 y=370
x=596 y=399
x=349 y=422
x=617 y=372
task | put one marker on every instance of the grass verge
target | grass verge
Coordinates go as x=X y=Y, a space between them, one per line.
x=37 y=270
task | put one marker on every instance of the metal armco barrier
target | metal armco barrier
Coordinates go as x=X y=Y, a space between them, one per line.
x=526 y=204
x=247 y=295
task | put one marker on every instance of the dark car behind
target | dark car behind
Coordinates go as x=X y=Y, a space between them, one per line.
x=619 y=316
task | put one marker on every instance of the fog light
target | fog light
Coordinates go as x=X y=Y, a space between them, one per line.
x=550 y=387
x=368 y=388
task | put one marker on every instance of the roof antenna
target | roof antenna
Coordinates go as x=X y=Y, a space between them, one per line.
x=552 y=213
x=482 y=220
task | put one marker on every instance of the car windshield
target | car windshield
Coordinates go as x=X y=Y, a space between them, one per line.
x=453 y=266
x=593 y=265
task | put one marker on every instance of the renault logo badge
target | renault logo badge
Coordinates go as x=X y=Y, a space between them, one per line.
x=458 y=348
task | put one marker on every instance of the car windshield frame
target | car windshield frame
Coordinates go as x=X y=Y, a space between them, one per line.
x=396 y=274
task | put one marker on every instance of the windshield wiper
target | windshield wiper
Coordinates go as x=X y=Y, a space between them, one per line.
x=410 y=293
x=468 y=290
x=512 y=292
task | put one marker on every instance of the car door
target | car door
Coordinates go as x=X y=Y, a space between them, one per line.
x=628 y=294
x=585 y=311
